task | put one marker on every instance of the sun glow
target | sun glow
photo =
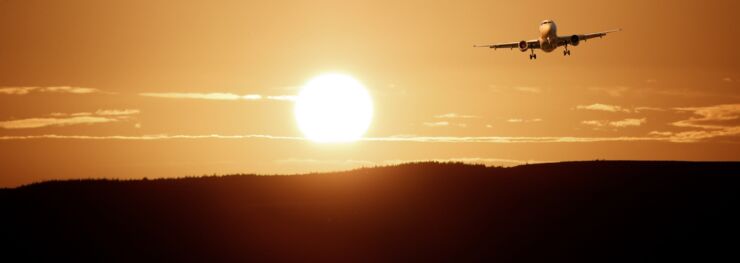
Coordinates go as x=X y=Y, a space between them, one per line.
x=333 y=108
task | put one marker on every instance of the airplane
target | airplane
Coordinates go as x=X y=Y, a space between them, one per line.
x=549 y=40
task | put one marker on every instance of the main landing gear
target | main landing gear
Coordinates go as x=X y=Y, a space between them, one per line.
x=533 y=55
x=566 y=52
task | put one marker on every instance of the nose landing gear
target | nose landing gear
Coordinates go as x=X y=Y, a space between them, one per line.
x=566 y=52
x=533 y=55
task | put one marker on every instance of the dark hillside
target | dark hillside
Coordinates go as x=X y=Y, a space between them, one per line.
x=594 y=211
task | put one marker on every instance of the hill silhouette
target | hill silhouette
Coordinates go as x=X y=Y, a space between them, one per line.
x=439 y=212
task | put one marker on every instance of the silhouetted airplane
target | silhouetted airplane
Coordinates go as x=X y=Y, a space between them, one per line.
x=548 y=40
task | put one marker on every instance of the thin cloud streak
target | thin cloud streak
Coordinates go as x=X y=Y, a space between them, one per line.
x=46 y=122
x=117 y=112
x=149 y=137
x=602 y=107
x=67 y=119
x=427 y=139
x=628 y=122
x=616 y=108
x=216 y=96
x=202 y=96
x=683 y=137
x=55 y=89
x=631 y=122
x=518 y=120
x=505 y=139
x=455 y=116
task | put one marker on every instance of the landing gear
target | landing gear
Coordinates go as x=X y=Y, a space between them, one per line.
x=533 y=55
x=566 y=52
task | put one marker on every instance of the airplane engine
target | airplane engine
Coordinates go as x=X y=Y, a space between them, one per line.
x=574 y=40
x=523 y=45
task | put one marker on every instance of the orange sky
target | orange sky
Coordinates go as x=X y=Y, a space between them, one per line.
x=87 y=87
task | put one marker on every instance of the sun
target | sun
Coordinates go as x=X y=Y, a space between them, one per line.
x=333 y=108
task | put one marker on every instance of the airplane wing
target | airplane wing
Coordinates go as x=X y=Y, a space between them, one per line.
x=532 y=44
x=573 y=41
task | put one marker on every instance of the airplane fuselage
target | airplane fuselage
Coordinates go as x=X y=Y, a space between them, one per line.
x=548 y=36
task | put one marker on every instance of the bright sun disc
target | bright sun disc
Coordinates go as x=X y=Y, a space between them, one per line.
x=333 y=108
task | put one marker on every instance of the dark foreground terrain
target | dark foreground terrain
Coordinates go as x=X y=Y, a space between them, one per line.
x=577 y=211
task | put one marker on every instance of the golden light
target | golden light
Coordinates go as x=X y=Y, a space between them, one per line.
x=333 y=108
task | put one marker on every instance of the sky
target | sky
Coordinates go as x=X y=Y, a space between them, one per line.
x=132 y=89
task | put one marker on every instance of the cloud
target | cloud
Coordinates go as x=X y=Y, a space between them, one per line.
x=529 y=89
x=618 y=124
x=695 y=136
x=57 y=89
x=67 y=119
x=727 y=79
x=709 y=122
x=67 y=89
x=447 y=123
x=712 y=121
x=437 y=124
x=216 y=96
x=518 y=120
x=251 y=97
x=602 y=107
x=709 y=117
x=628 y=122
x=16 y=90
x=148 y=137
x=455 y=116
x=621 y=91
x=399 y=138
x=117 y=112
x=45 y=122
x=202 y=96
x=109 y=112
x=683 y=137
x=661 y=133
x=615 y=108
x=640 y=109
x=509 y=139
x=595 y=123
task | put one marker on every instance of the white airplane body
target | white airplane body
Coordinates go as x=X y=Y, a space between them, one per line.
x=548 y=40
